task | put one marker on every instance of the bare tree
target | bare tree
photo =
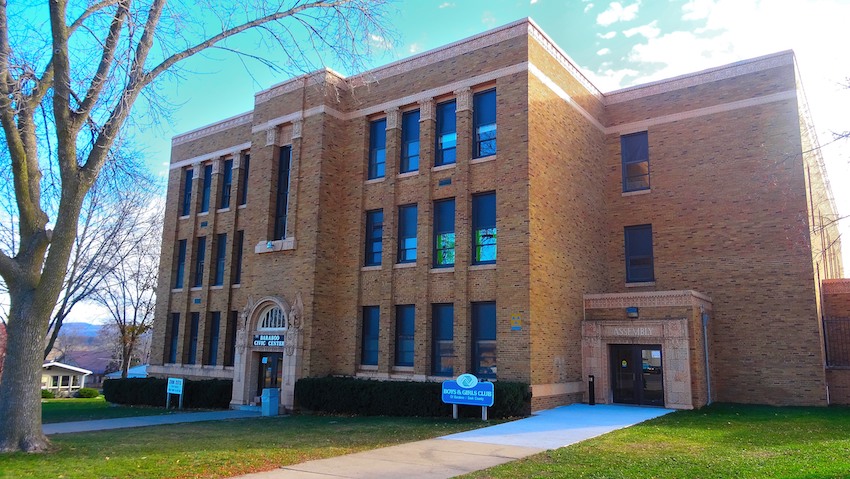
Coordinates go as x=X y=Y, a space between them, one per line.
x=129 y=290
x=74 y=90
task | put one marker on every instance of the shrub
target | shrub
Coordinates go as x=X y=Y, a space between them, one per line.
x=204 y=394
x=88 y=393
x=345 y=395
x=47 y=394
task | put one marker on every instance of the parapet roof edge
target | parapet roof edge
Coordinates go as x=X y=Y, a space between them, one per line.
x=232 y=121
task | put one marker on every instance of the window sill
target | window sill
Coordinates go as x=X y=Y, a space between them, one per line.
x=204 y=213
x=376 y=267
x=403 y=369
x=444 y=167
x=223 y=210
x=184 y=217
x=404 y=265
x=177 y=290
x=443 y=270
x=637 y=192
x=196 y=288
x=237 y=285
x=218 y=286
x=409 y=174
x=479 y=267
x=367 y=367
x=640 y=284
x=483 y=159
x=375 y=180
x=276 y=245
x=242 y=207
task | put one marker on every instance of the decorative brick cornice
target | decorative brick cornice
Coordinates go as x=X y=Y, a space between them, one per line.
x=463 y=97
x=222 y=125
x=651 y=299
x=836 y=286
x=426 y=109
x=317 y=77
x=393 y=118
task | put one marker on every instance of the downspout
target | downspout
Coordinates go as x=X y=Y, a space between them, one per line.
x=705 y=352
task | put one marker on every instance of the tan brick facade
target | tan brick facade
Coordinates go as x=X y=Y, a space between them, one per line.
x=732 y=203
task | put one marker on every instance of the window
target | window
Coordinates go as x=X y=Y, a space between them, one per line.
x=377 y=148
x=407 y=233
x=444 y=233
x=442 y=329
x=404 y=332
x=284 y=162
x=273 y=318
x=212 y=341
x=237 y=270
x=634 y=150
x=200 y=253
x=484 y=228
x=409 y=142
x=484 y=123
x=181 y=264
x=54 y=381
x=374 y=232
x=205 y=193
x=226 y=182
x=220 y=256
x=192 y=350
x=187 y=191
x=369 y=341
x=639 y=266
x=230 y=339
x=446 y=134
x=484 y=339
x=246 y=161
x=174 y=336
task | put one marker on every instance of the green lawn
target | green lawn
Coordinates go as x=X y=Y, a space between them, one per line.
x=219 y=449
x=721 y=441
x=79 y=409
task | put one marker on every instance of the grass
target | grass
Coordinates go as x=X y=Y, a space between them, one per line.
x=80 y=409
x=220 y=448
x=721 y=441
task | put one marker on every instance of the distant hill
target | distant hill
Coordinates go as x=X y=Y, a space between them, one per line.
x=86 y=330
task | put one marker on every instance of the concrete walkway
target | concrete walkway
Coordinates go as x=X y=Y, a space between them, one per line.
x=141 y=421
x=470 y=451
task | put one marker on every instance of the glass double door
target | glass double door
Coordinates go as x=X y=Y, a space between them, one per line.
x=636 y=374
x=270 y=371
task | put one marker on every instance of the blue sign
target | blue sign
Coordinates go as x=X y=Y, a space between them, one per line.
x=480 y=394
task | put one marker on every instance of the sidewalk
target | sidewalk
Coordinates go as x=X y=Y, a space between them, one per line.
x=141 y=421
x=471 y=451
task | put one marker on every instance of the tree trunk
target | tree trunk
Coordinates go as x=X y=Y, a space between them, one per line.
x=20 y=391
x=126 y=355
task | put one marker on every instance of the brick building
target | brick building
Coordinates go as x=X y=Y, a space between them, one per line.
x=483 y=208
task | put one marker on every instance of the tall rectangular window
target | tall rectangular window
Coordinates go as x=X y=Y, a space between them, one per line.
x=220 y=257
x=442 y=332
x=446 y=134
x=484 y=339
x=374 y=233
x=237 y=269
x=369 y=340
x=212 y=337
x=634 y=151
x=405 y=315
x=409 y=142
x=444 y=233
x=230 y=339
x=192 y=350
x=174 y=337
x=200 y=257
x=639 y=267
x=205 y=192
x=407 y=218
x=226 y=184
x=484 y=228
x=181 y=264
x=246 y=162
x=377 y=148
x=283 y=165
x=188 y=175
x=484 y=123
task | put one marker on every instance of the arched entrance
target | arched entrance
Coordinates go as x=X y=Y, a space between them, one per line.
x=268 y=351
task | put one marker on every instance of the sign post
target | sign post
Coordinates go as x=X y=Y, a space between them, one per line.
x=175 y=386
x=466 y=390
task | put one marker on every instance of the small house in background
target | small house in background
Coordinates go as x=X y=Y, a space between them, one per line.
x=62 y=379
x=140 y=371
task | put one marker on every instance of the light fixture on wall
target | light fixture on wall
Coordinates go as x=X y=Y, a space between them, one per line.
x=632 y=312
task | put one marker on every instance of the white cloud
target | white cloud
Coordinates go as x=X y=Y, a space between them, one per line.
x=650 y=30
x=379 y=42
x=588 y=7
x=616 y=12
x=446 y=5
x=415 y=48
x=533 y=2
x=603 y=51
x=697 y=9
x=607 y=36
x=488 y=19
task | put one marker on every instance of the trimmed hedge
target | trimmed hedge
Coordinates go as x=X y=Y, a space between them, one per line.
x=88 y=393
x=365 y=397
x=47 y=394
x=205 y=394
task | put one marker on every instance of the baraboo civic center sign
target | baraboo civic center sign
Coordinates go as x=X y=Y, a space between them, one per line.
x=466 y=390
x=268 y=340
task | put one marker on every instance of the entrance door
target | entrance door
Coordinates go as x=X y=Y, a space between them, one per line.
x=270 y=368
x=636 y=374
